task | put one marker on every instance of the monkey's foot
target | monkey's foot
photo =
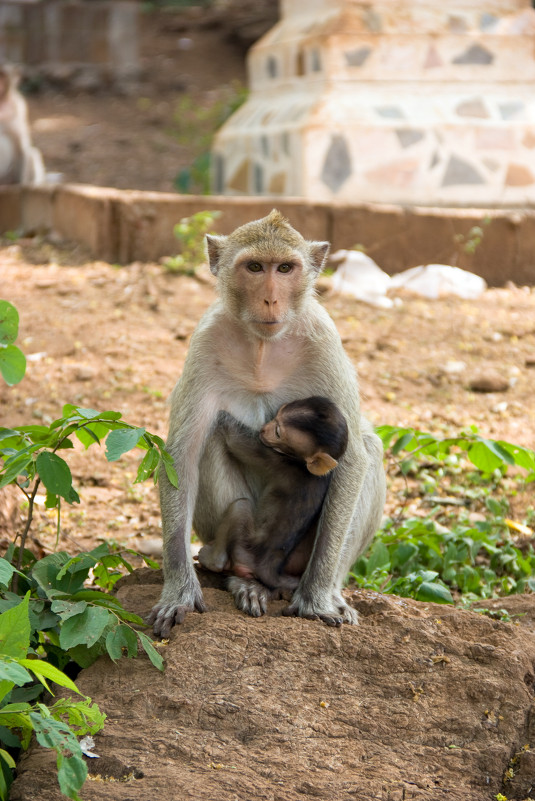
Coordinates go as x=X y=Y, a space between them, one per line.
x=333 y=614
x=166 y=613
x=249 y=596
x=349 y=614
x=212 y=559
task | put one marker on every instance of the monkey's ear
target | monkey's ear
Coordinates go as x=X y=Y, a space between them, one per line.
x=318 y=255
x=214 y=245
x=320 y=463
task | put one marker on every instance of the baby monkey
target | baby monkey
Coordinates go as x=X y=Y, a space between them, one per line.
x=291 y=460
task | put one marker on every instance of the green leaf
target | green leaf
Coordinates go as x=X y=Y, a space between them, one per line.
x=122 y=440
x=498 y=451
x=130 y=617
x=66 y=609
x=402 y=442
x=403 y=553
x=15 y=630
x=523 y=457
x=71 y=412
x=11 y=709
x=434 y=592
x=46 y=572
x=98 y=597
x=148 y=465
x=86 y=628
x=8 y=758
x=7 y=764
x=14 y=672
x=8 y=738
x=72 y=773
x=379 y=558
x=85 y=656
x=121 y=637
x=56 y=476
x=16 y=467
x=39 y=434
x=9 y=323
x=150 y=650
x=484 y=458
x=6 y=572
x=92 y=433
x=45 y=670
x=12 y=364
x=72 y=770
x=52 y=733
x=169 y=468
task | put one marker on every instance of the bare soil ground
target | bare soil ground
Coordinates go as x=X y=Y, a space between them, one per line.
x=418 y=702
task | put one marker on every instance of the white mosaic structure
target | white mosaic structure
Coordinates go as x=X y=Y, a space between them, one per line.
x=398 y=101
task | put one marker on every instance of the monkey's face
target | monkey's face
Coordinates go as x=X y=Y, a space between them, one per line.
x=284 y=436
x=267 y=293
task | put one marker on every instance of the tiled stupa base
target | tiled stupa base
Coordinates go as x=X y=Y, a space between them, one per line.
x=404 y=102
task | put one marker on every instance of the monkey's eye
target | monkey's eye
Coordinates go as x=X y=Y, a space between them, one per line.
x=254 y=267
x=277 y=432
x=285 y=268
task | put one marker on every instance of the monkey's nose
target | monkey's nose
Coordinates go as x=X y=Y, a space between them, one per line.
x=270 y=303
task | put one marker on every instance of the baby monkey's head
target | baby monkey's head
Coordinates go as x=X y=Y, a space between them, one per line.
x=313 y=430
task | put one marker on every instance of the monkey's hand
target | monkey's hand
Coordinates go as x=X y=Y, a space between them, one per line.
x=332 y=609
x=226 y=420
x=173 y=607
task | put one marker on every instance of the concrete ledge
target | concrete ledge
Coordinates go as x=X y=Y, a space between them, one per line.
x=146 y=219
x=124 y=226
x=10 y=208
x=87 y=214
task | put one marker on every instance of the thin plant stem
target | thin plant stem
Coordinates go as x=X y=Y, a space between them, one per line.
x=24 y=535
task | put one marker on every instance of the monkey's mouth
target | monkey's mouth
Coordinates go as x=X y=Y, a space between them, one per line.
x=265 y=441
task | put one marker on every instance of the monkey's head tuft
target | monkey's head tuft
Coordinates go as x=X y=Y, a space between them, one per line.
x=271 y=238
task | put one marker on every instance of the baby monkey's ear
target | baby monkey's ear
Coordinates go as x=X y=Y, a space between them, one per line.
x=320 y=463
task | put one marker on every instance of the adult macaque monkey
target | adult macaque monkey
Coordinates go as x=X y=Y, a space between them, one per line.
x=265 y=342
x=20 y=163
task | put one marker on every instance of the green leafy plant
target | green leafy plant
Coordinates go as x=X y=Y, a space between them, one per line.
x=486 y=454
x=12 y=359
x=470 y=242
x=67 y=621
x=456 y=559
x=23 y=676
x=190 y=231
x=29 y=455
x=67 y=613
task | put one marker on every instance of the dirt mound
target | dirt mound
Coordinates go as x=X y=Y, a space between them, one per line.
x=418 y=702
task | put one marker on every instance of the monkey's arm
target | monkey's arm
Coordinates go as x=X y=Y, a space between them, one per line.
x=243 y=442
x=193 y=411
x=353 y=506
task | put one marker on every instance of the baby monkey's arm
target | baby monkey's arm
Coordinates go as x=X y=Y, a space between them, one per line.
x=243 y=442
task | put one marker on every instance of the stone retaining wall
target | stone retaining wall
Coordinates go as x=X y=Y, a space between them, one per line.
x=122 y=226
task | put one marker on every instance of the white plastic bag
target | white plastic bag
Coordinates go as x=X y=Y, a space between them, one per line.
x=436 y=280
x=359 y=276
